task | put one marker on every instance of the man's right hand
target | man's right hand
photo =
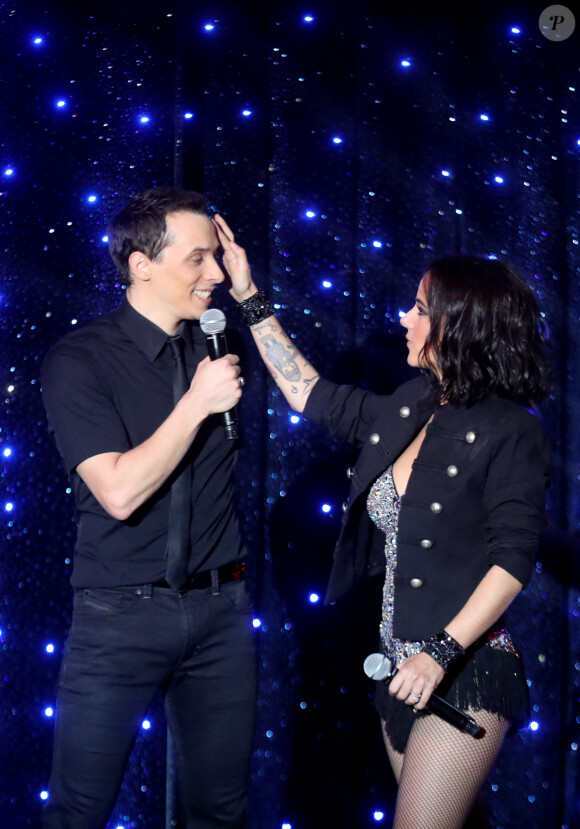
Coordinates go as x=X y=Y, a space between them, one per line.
x=216 y=386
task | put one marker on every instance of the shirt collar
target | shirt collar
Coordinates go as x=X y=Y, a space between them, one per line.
x=150 y=338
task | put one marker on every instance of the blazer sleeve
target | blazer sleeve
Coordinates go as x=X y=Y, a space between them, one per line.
x=515 y=496
x=351 y=413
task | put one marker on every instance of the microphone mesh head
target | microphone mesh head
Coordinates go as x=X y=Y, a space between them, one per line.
x=377 y=666
x=212 y=321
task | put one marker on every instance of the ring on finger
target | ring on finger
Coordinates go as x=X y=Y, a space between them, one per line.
x=241 y=381
x=414 y=697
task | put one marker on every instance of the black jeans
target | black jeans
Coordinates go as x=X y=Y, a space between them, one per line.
x=125 y=644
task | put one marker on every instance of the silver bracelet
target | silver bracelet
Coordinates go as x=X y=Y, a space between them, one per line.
x=256 y=308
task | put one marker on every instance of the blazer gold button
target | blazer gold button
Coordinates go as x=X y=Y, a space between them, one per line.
x=426 y=543
x=436 y=507
x=374 y=438
x=404 y=411
x=416 y=583
x=350 y=472
x=345 y=506
x=452 y=471
x=470 y=437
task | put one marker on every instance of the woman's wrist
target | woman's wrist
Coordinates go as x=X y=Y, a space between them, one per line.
x=256 y=308
x=443 y=648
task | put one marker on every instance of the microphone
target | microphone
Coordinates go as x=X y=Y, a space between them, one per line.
x=213 y=323
x=379 y=667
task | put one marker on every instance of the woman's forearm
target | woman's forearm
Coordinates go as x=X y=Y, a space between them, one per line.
x=293 y=374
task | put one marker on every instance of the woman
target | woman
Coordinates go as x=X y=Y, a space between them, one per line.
x=450 y=487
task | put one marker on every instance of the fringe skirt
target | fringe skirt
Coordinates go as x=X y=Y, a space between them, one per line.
x=484 y=679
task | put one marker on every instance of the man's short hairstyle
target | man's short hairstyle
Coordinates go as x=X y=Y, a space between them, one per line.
x=141 y=225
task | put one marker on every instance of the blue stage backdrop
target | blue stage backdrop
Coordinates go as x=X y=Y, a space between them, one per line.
x=346 y=149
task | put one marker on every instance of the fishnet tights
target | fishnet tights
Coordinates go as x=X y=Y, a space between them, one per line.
x=442 y=770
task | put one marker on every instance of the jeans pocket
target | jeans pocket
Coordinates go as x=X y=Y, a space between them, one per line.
x=238 y=595
x=103 y=600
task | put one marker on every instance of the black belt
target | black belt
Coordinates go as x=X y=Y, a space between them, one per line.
x=234 y=571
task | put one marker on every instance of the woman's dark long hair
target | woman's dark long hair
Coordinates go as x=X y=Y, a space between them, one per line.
x=487 y=334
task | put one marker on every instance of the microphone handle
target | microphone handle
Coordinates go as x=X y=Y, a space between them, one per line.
x=217 y=347
x=448 y=712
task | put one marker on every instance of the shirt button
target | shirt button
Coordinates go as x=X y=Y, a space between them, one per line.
x=416 y=583
x=404 y=411
x=452 y=471
x=374 y=438
x=470 y=437
x=436 y=507
x=350 y=472
x=426 y=543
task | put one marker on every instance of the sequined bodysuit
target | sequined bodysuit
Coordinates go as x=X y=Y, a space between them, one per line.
x=383 y=505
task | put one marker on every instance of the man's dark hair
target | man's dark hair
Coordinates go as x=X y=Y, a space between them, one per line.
x=487 y=335
x=141 y=224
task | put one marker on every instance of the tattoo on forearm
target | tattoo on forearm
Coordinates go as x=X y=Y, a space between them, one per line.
x=282 y=358
x=308 y=385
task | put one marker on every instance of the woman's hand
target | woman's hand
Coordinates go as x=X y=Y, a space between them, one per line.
x=416 y=679
x=235 y=262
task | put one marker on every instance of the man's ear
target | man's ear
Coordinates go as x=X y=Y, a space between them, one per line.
x=140 y=266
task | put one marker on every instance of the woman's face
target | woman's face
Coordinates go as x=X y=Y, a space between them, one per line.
x=418 y=325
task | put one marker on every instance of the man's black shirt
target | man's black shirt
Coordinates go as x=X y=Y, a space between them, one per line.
x=107 y=387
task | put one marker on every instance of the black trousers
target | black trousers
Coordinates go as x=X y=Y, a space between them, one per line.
x=124 y=645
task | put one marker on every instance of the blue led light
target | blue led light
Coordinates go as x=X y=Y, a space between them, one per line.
x=378 y=815
x=445 y=173
x=313 y=598
x=105 y=239
x=326 y=283
x=326 y=507
x=44 y=795
x=257 y=623
x=498 y=179
x=188 y=116
x=534 y=726
x=144 y=119
x=92 y=198
x=515 y=30
x=294 y=418
x=308 y=18
x=406 y=63
x=37 y=41
x=146 y=725
x=337 y=140
x=484 y=117
x=8 y=506
x=377 y=244
x=246 y=113
x=49 y=648
x=310 y=214
x=209 y=27
x=9 y=171
x=48 y=712
x=6 y=452
x=61 y=103
x=286 y=826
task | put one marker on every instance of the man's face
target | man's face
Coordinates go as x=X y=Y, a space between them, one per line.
x=183 y=277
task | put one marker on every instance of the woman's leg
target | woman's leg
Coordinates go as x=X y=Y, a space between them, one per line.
x=442 y=771
x=396 y=758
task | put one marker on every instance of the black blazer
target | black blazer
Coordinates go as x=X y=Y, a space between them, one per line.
x=476 y=495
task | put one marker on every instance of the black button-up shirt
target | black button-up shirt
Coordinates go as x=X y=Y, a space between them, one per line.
x=107 y=387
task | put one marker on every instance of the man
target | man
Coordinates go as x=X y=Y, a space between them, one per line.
x=155 y=606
